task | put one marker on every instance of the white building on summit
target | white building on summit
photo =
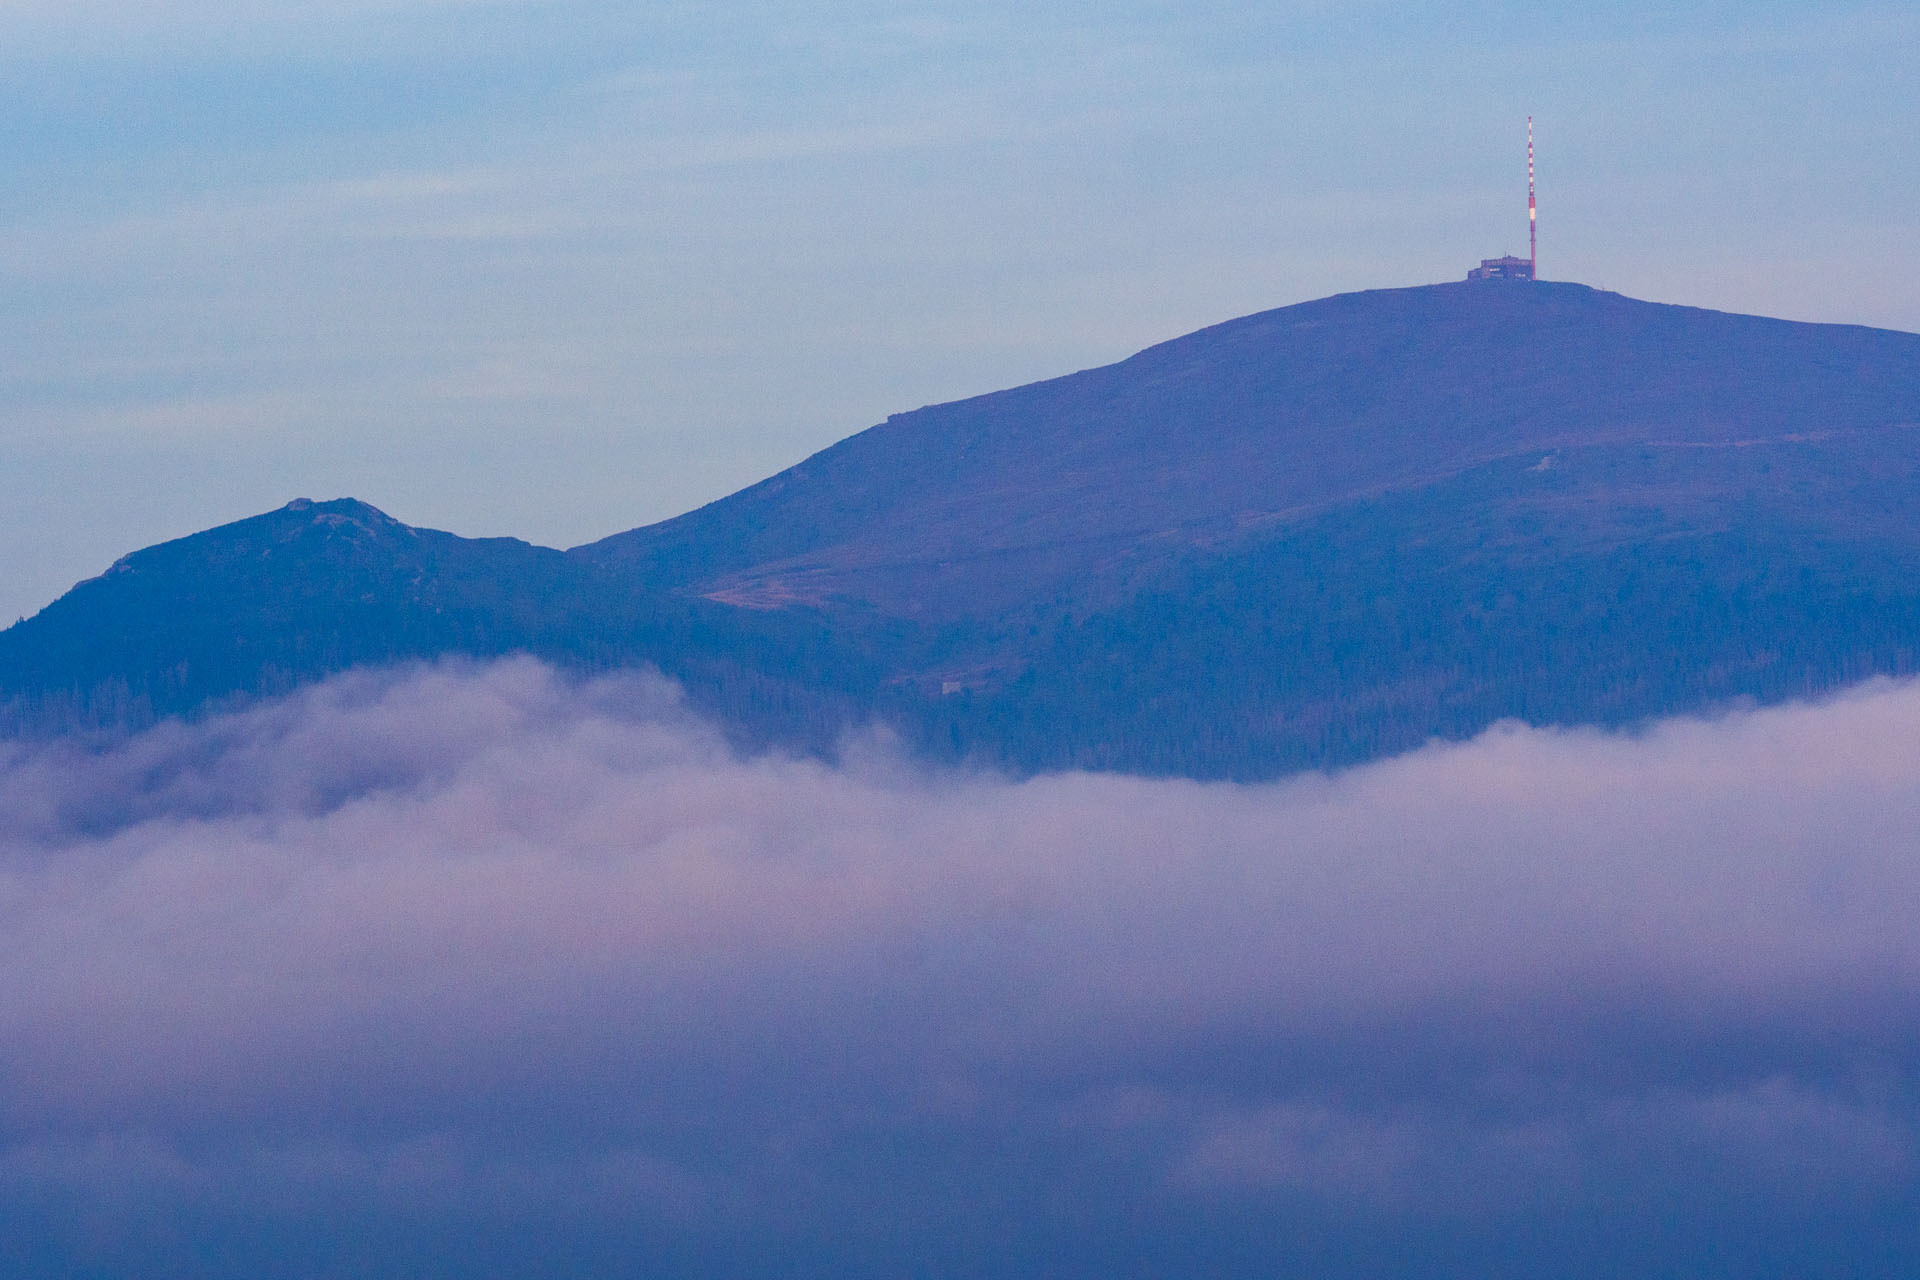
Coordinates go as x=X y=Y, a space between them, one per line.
x=1507 y=268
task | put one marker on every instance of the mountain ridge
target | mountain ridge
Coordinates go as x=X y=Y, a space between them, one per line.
x=1299 y=538
x=1339 y=391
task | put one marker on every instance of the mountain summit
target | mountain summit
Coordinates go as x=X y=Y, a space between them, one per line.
x=1261 y=421
x=1304 y=537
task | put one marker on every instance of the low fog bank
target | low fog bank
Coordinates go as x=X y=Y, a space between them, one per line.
x=477 y=969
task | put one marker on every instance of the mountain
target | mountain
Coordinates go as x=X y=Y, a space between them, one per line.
x=1300 y=538
x=262 y=605
x=961 y=509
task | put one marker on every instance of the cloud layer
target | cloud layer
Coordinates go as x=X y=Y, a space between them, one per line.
x=375 y=977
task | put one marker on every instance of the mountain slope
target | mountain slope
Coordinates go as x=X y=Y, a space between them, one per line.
x=1306 y=537
x=968 y=508
x=1614 y=584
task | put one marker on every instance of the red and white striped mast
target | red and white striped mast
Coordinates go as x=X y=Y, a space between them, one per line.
x=1533 y=243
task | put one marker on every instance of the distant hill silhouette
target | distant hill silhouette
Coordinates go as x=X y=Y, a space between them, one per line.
x=1301 y=538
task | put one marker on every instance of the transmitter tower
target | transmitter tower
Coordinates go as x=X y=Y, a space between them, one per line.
x=1533 y=220
x=1509 y=267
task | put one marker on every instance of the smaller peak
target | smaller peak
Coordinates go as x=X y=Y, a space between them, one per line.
x=337 y=508
x=333 y=513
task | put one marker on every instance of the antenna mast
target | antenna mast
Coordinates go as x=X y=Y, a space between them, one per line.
x=1533 y=243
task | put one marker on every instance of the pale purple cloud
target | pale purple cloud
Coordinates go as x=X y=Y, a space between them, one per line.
x=486 y=936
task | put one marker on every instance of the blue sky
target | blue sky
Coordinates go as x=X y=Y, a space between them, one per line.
x=558 y=269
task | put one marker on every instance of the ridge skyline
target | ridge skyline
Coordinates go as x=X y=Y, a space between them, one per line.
x=1375 y=518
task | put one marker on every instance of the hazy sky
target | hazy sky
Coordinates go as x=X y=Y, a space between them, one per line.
x=559 y=268
x=474 y=971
